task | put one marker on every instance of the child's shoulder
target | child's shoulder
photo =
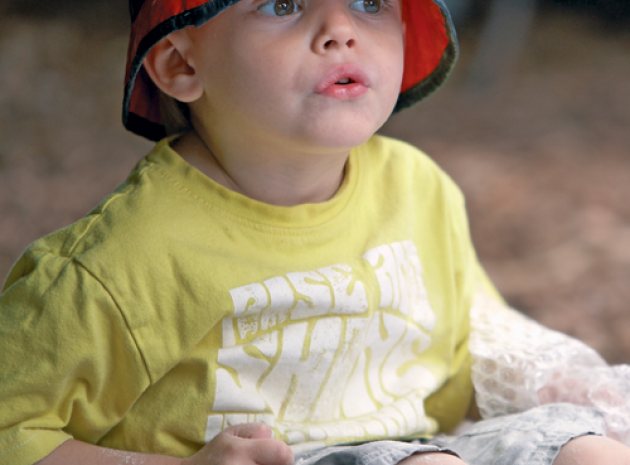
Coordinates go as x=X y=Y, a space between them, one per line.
x=406 y=165
x=126 y=223
x=401 y=154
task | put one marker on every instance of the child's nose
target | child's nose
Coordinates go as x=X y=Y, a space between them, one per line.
x=336 y=29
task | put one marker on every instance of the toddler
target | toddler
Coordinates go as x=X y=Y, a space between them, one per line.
x=274 y=283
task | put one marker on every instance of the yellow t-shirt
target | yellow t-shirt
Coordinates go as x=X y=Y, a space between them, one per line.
x=178 y=307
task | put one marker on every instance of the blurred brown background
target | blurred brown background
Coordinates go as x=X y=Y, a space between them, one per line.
x=534 y=125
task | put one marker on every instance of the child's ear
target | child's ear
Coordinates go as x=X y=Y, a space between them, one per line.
x=171 y=71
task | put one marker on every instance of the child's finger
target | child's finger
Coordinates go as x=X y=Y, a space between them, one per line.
x=250 y=431
x=270 y=452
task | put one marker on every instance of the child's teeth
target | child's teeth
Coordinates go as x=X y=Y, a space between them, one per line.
x=344 y=81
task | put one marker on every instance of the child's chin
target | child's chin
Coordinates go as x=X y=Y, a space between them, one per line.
x=346 y=136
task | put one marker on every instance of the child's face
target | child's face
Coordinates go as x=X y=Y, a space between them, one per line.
x=309 y=73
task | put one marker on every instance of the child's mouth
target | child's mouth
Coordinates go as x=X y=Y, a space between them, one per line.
x=345 y=82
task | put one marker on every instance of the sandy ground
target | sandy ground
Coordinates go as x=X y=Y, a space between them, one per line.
x=543 y=156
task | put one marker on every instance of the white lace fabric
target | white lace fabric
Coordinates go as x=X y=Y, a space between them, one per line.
x=519 y=364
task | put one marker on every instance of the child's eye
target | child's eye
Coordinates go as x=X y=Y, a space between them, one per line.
x=367 y=6
x=279 y=7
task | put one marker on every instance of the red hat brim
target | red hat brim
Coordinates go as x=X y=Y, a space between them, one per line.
x=430 y=52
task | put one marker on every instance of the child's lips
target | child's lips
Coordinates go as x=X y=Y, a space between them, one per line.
x=344 y=82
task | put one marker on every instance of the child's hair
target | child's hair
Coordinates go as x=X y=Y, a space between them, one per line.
x=175 y=115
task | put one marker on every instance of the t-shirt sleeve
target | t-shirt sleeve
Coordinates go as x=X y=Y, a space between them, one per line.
x=69 y=365
x=451 y=403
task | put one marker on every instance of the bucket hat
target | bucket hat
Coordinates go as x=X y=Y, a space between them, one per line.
x=430 y=52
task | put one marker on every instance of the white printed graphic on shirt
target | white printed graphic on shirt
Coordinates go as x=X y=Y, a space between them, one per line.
x=307 y=354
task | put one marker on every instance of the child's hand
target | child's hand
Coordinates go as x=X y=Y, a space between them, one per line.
x=247 y=444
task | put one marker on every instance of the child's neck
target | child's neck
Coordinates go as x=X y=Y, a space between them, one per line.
x=271 y=178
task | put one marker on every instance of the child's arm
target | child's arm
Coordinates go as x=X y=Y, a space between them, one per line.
x=80 y=453
x=249 y=444
x=519 y=364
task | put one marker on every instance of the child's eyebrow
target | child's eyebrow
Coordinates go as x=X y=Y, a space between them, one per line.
x=256 y=3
